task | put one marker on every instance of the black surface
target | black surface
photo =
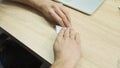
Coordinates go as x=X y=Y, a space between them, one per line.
x=14 y=54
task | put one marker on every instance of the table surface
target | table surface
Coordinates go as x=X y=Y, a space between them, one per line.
x=100 y=33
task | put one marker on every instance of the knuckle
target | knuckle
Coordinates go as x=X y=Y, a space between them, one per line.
x=54 y=6
x=50 y=12
x=63 y=17
x=60 y=20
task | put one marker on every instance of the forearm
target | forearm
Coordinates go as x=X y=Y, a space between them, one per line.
x=37 y=4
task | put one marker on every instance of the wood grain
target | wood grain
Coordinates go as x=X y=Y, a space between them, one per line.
x=100 y=33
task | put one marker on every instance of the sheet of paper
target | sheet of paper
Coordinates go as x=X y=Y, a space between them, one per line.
x=119 y=7
x=58 y=28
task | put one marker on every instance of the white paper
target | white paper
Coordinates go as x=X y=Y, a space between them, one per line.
x=119 y=7
x=58 y=28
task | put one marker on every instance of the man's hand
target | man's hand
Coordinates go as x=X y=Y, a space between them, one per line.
x=56 y=11
x=52 y=10
x=67 y=49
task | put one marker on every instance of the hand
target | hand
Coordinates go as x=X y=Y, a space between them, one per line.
x=56 y=11
x=67 y=46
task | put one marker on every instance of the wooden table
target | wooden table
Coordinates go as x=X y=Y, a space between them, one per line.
x=100 y=33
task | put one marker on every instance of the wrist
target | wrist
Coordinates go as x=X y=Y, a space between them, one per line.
x=67 y=59
x=62 y=63
x=38 y=4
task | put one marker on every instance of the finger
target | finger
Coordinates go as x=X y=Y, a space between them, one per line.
x=77 y=37
x=62 y=16
x=61 y=33
x=72 y=34
x=66 y=14
x=66 y=34
x=56 y=17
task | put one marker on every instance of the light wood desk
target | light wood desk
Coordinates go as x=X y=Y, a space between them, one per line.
x=100 y=33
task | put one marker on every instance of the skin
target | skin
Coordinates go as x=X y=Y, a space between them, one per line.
x=67 y=44
x=52 y=10
x=66 y=49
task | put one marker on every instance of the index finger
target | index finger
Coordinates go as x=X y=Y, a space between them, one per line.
x=61 y=33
